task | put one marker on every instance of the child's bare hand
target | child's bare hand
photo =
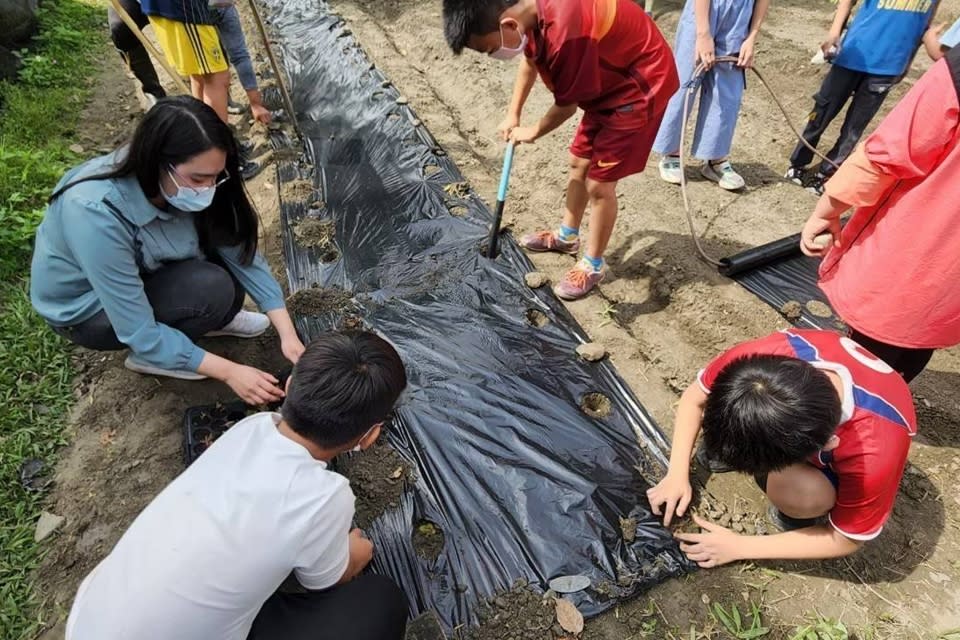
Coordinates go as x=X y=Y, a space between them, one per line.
x=831 y=43
x=706 y=50
x=811 y=237
x=745 y=59
x=361 y=549
x=675 y=493
x=261 y=114
x=524 y=134
x=713 y=547
x=505 y=128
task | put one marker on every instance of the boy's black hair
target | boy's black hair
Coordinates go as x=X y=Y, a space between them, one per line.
x=343 y=384
x=465 y=18
x=766 y=412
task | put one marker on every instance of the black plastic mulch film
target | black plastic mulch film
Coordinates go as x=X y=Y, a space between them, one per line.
x=521 y=481
x=778 y=273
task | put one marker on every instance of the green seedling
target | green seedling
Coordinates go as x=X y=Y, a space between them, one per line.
x=821 y=629
x=608 y=313
x=736 y=625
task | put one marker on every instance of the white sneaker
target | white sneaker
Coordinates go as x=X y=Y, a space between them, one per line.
x=136 y=364
x=670 y=169
x=723 y=174
x=246 y=324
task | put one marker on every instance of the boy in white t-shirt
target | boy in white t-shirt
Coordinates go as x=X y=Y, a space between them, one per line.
x=205 y=558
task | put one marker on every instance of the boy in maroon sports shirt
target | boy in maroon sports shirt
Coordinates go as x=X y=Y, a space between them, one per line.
x=606 y=57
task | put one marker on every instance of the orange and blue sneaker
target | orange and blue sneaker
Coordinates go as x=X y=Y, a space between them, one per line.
x=579 y=281
x=541 y=241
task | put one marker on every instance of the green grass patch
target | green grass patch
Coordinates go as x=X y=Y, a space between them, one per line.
x=38 y=116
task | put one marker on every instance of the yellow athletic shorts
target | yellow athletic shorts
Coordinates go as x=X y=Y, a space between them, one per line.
x=191 y=49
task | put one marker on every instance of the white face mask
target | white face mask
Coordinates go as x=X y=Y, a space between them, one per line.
x=505 y=52
x=359 y=448
x=192 y=199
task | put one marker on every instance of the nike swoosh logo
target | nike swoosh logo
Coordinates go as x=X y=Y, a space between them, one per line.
x=604 y=165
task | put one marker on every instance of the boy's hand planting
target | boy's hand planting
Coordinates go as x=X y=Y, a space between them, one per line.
x=713 y=547
x=674 y=492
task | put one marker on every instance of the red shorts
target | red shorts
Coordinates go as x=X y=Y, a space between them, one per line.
x=617 y=143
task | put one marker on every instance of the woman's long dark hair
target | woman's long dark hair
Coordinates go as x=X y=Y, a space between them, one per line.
x=173 y=131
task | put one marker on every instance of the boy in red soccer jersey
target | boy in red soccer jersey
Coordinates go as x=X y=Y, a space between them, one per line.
x=608 y=58
x=823 y=424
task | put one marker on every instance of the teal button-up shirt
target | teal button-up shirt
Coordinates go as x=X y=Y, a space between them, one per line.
x=94 y=243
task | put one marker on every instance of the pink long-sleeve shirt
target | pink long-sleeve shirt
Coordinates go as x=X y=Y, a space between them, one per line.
x=896 y=277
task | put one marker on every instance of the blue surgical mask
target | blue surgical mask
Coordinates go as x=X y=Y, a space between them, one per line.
x=193 y=199
x=505 y=52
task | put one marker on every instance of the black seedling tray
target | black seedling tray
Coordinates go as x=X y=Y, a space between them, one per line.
x=204 y=424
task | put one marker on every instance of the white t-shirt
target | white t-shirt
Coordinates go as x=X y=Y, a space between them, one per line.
x=202 y=558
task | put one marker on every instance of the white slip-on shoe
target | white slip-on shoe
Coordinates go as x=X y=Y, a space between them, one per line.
x=136 y=364
x=246 y=324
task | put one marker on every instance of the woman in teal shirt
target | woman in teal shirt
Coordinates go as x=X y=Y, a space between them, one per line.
x=154 y=246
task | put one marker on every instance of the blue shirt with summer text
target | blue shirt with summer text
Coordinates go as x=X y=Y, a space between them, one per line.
x=884 y=36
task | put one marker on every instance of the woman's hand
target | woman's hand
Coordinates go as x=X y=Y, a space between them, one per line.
x=290 y=342
x=292 y=348
x=706 y=50
x=673 y=491
x=253 y=385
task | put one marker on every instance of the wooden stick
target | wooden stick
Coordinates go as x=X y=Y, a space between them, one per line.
x=288 y=103
x=177 y=80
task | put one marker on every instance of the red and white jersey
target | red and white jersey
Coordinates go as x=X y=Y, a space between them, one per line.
x=877 y=422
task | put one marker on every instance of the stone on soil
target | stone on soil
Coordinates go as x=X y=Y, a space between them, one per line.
x=46 y=525
x=592 y=351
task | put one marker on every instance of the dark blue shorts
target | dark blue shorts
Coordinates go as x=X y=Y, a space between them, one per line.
x=831 y=476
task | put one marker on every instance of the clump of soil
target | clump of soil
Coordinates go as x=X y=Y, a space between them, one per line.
x=537 y=318
x=628 y=529
x=317 y=301
x=535 y=279
x=457 y=189
x=740 y=521
x=517 y=614
x=819 y=309
x=351 y=322
x=318 y=234
x=791 y=310
x=428 y=540
x=596 y=405
x=431 y=169
x=378 y=477
x=297 y=191
x=457 y=210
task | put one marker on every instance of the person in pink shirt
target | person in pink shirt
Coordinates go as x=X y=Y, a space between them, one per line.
x=893 y=272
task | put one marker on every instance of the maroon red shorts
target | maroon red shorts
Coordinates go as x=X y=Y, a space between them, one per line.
x=617 y=142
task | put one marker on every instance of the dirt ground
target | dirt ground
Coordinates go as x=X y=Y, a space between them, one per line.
x=670 y=314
